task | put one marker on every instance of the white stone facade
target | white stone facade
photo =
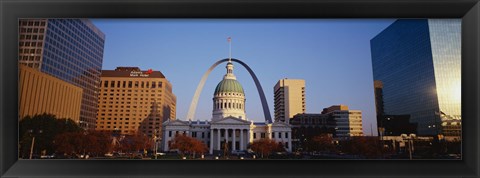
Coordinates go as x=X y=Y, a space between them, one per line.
x=231 y=130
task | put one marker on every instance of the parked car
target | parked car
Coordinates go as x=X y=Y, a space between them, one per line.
x=238 y=152
x=47 y=156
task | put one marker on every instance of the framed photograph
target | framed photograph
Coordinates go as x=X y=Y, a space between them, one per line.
x=239 y=88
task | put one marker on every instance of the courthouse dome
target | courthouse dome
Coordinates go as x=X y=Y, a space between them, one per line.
x=229 y=85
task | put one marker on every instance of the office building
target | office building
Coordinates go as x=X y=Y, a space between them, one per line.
x=348 y=122
x=337 y=121
x=42 y=93
x=390 y=125
x=395 y=125
x=68 y=49
x=289 y=98
x=132 y=100
x=306 y=126
x=417 y=63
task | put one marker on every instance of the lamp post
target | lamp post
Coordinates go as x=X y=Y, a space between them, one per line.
x=381 y=131
x=410 y=139
x=33 y=141
x=155 y=142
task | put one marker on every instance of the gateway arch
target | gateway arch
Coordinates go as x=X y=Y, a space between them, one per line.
x=193 y=104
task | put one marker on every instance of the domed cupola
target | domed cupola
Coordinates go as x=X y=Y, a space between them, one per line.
x=229 y=97
x=227 y=86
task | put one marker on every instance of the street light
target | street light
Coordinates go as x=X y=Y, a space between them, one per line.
x=410 y=139
x=381 y=131
x=33 y=141
x=155 y=142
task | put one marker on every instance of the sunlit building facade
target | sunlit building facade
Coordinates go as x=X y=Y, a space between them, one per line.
x=41 y=93
x=417 y=62
x=348 y=123
x=133 y=101
x=289 y=98
x=68 y=49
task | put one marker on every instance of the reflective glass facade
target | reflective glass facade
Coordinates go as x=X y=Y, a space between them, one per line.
x=68 y=49
x=418 y=63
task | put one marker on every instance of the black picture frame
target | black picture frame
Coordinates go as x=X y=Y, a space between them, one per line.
x=11 y=11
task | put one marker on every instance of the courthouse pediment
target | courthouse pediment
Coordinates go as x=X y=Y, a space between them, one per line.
x=175 y=123
x=280 y=124
x=231 y=120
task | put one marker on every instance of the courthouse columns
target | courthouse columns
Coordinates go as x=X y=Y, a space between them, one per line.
x=165 y=142
x=218 y=139
x=211 y=141
x=226 y=137
x=234 y=145
x=242 y=147
x=250 y=136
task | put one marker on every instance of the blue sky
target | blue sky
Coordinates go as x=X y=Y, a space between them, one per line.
x=332 y=56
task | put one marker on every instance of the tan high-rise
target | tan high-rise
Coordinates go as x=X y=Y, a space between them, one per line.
x=42 y=93
x=132 y=100
x=289 y=98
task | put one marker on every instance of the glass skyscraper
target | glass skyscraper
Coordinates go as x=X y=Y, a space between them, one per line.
x=68 y=49
x=417 y=61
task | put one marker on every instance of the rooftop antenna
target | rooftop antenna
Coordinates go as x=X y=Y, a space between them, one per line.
x=229 y=39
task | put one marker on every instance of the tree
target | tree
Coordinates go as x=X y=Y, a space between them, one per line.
x=266 y=146
x=93 y=143
x=65 y=143
x=323 y=142
x=368 y=147
x=44 y=128
x=188 y=145
x=133 y=143
x=102 y=144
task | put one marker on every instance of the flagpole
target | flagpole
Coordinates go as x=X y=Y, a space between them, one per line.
x=230 y=49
